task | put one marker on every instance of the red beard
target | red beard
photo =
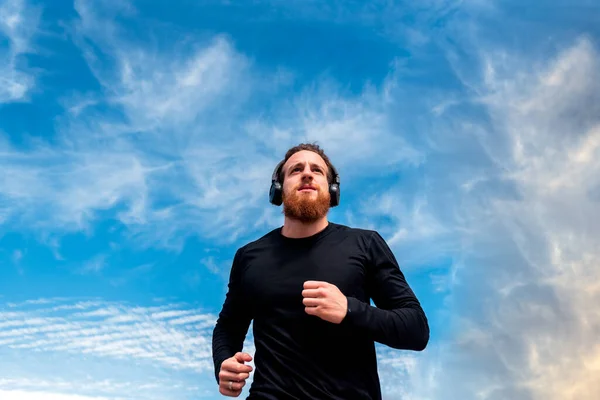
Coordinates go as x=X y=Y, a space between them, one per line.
x=304 y=208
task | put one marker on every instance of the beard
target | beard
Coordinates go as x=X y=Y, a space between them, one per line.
x=304 y=208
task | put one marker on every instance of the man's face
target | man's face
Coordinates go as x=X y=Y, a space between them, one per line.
x=305 y=187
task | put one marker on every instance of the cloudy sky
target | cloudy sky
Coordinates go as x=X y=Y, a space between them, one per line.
x=137 y=142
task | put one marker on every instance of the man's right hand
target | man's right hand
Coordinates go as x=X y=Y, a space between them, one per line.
x=233 y=374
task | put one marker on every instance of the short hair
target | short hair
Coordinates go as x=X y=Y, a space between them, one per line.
x=310 y=147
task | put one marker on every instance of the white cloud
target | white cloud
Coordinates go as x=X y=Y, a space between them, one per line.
x=18 y=23
x=34 y=395
x=409 y=223
x=179 y=338
x=59 y=189
x=176 y=338
x=95 y=265
x=152 y=351
x=515 y=205
x=178 y=153
x=408 y=375
x=355 y=130
x=528 y=224
x=95 y=387
x=17 y=256
x=160 y=168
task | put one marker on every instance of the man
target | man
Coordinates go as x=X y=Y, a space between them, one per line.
x=307 y=286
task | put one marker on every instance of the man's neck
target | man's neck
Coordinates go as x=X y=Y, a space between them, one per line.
x=295 y=229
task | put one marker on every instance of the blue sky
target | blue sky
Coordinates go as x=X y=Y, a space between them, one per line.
x=136 y=146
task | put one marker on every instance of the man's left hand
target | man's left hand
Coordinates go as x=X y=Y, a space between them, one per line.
x=325 y=301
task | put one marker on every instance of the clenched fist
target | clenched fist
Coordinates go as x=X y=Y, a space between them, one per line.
x=325 y=301
x=233 y=374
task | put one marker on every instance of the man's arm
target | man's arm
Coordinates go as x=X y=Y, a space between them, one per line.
x=234 y=319
x=398 y=320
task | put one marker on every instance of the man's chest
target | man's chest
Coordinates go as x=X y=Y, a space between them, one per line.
x=275 y=280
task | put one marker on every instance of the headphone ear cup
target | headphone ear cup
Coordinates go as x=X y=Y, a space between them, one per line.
x=334 y=193
x=275 y=194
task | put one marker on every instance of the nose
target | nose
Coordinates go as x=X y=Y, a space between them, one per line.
x=307 y=179
x=307 y=173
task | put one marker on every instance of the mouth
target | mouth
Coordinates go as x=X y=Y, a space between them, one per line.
x=307 y=188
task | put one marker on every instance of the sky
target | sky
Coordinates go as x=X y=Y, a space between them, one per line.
x=137 y=142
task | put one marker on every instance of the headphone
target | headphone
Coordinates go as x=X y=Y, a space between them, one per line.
x=276 y=191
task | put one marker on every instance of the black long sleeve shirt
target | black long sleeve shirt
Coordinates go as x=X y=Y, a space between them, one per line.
x=299 y=356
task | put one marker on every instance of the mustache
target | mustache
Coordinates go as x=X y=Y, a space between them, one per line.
x=307 y=186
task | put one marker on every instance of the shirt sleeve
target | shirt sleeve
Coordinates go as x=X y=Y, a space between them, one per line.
x=233 y=321
x=398 y=319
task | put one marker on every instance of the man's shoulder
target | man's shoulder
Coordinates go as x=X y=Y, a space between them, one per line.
x=354 y=231
x=265 y=240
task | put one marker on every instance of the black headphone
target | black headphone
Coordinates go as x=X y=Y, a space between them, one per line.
x=276 y=191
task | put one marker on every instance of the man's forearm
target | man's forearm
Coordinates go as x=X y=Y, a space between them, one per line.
x=400 y=328
x=233 y=320
x=227 y=340
x=221 y=348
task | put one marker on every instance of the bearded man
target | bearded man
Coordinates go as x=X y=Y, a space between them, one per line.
x=307 y=287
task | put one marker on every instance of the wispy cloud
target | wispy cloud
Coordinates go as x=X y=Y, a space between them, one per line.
x=179 y=153
x=161 y=334
x=496 y=175
x=175 y=337
x=94 y=265
x=17 y=256
x=95 y=389
x=18 y=24
x=527 y=224
x=37 y=395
